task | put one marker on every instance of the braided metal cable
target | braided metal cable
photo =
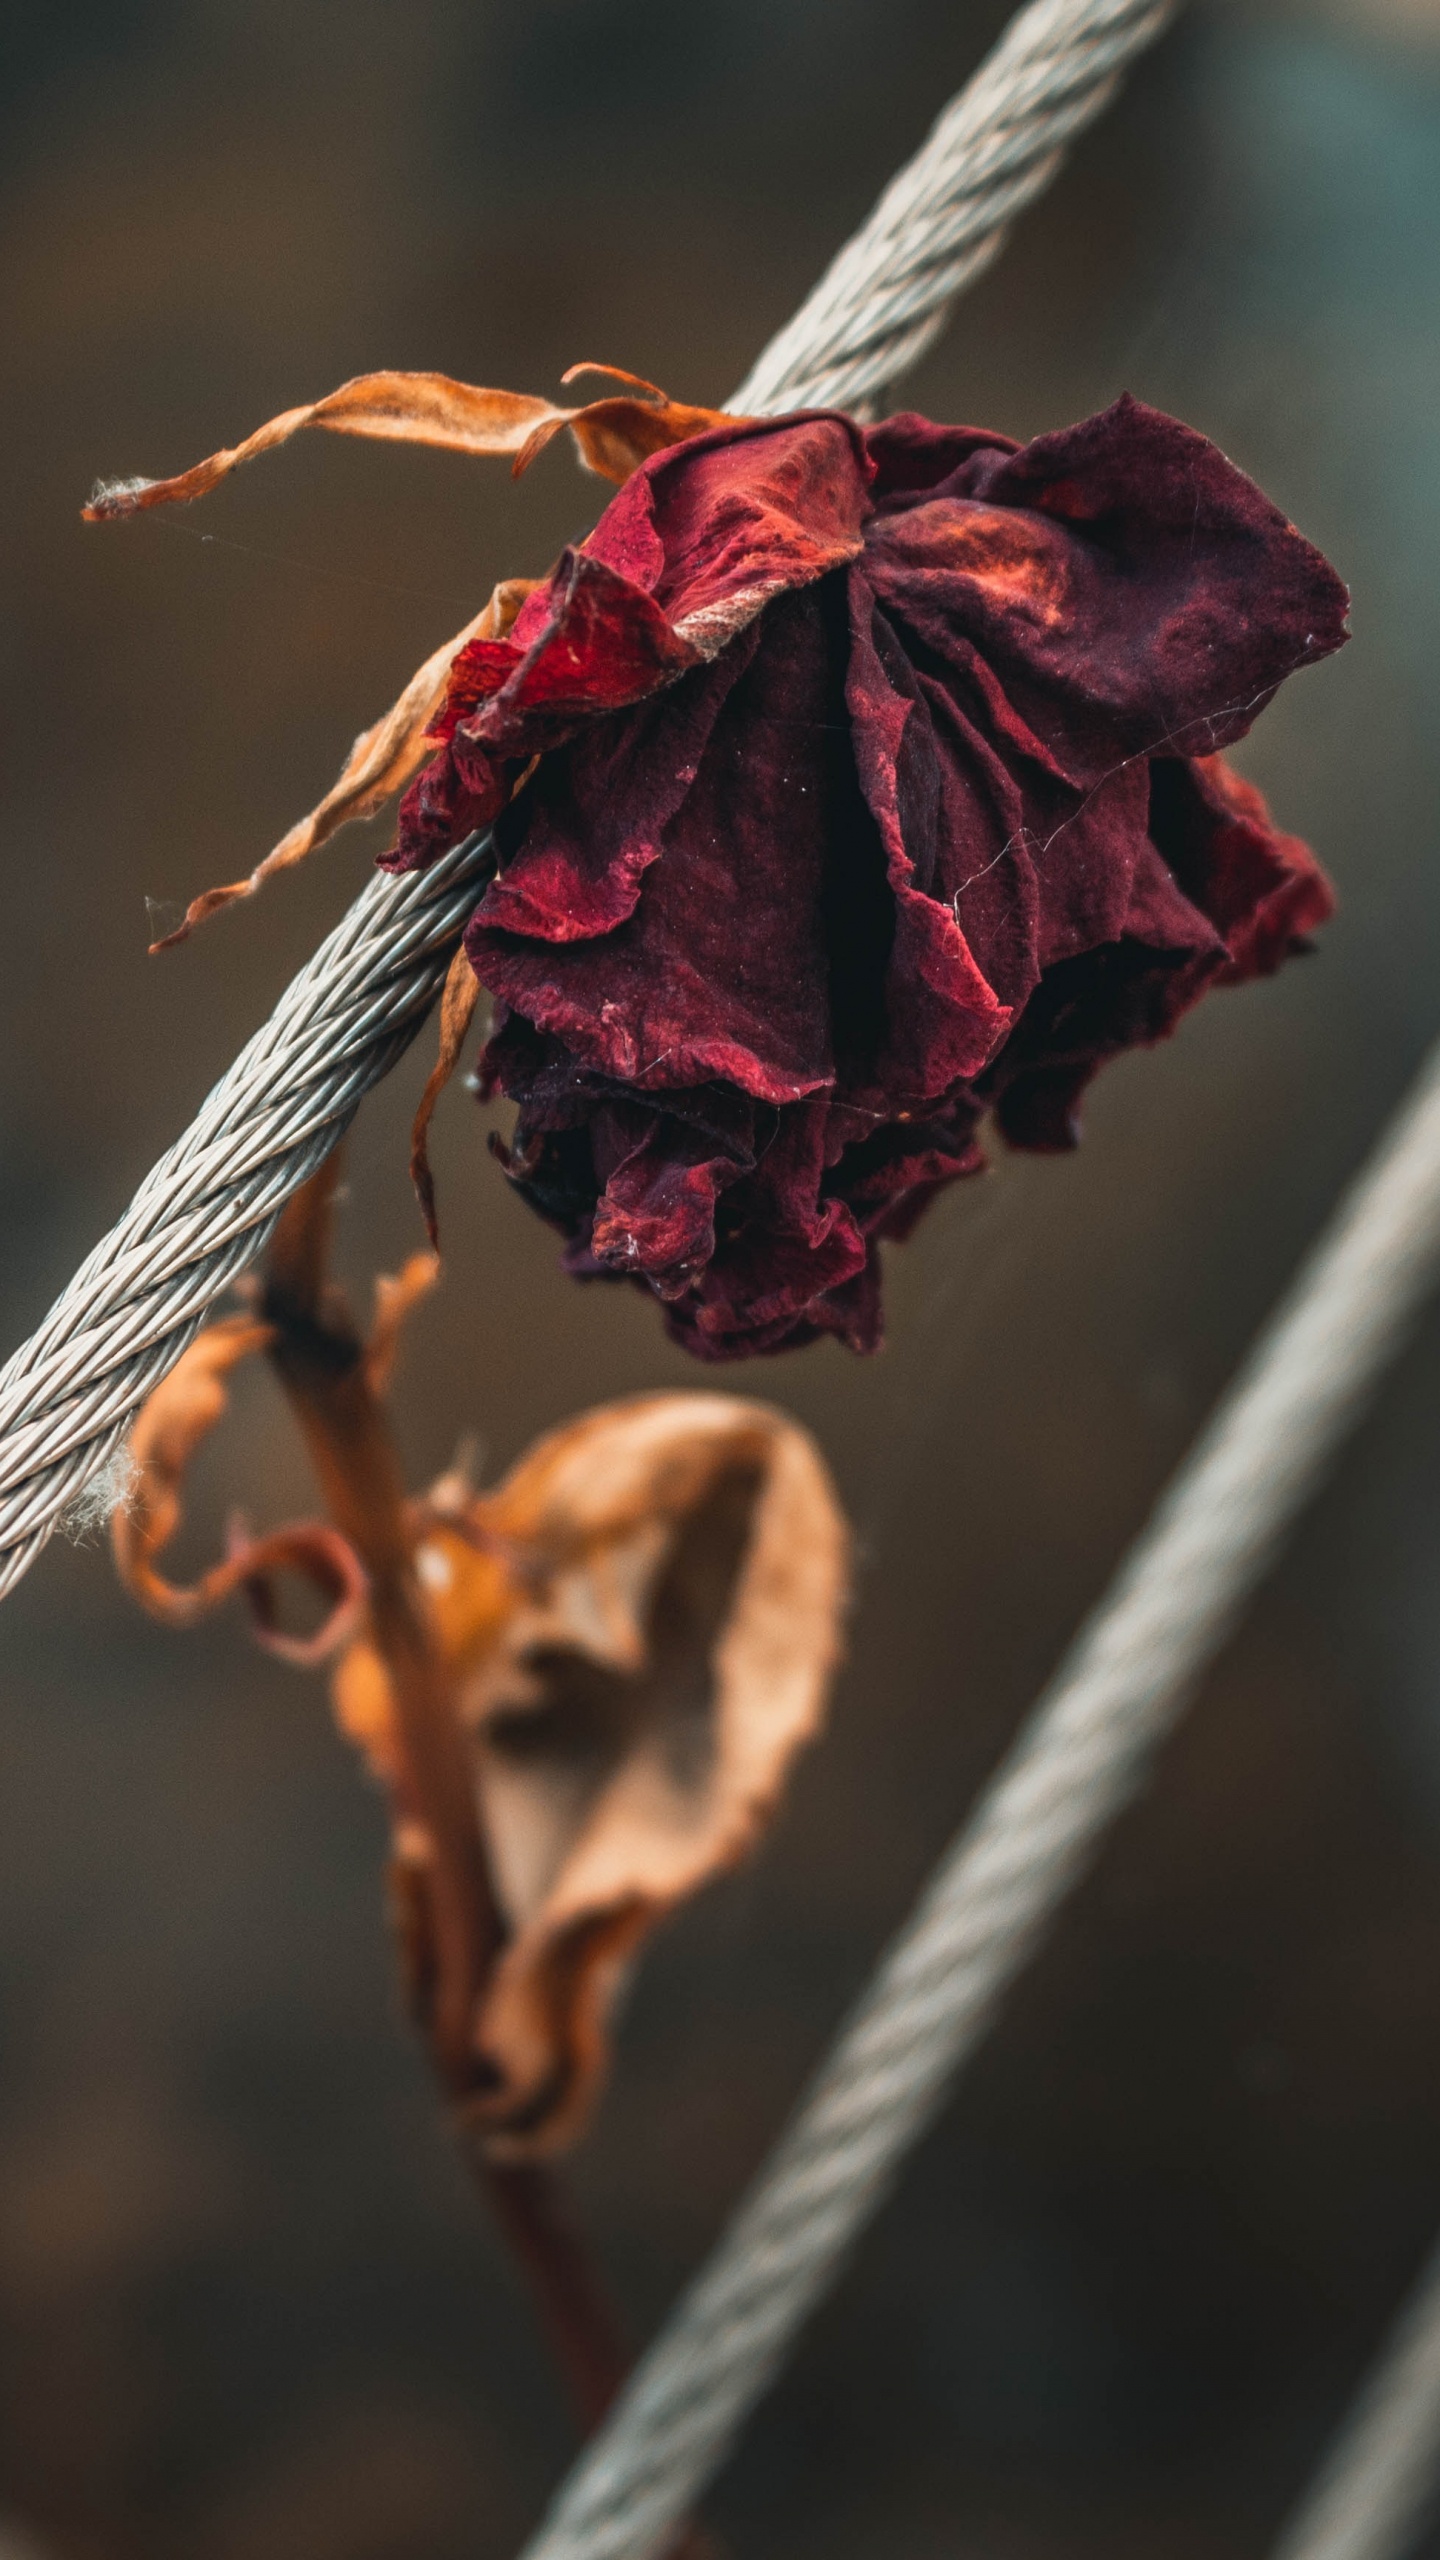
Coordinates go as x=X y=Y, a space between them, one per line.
x=209 y=1206
x=1032 y=1834
x=1378 y=2483
x=939 y=223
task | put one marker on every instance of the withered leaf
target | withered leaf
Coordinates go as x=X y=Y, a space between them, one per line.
x=641 y=1623
x=612 y=435
x=378 y=765
x=168 y=1430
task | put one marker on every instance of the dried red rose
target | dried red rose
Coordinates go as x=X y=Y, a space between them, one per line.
x=850 y=784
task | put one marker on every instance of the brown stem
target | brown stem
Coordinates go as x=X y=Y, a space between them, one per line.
x=455 y=1928
x=570 y=2300
x=320 y=1359
x=571 y=2304
x=321 y=1362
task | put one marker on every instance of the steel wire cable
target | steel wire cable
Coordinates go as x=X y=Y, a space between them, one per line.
x=210 y=1204
x=1075 y=1765
x=208 y=1207
x=941 y=221
x=1377 y=2486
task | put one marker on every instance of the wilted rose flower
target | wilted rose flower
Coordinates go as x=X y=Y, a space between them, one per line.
x=850 y=784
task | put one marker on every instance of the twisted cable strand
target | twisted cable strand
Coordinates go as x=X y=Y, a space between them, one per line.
x=209 y=1206
x=1378 y=2482
x=1031 y=1835
x=939 y=223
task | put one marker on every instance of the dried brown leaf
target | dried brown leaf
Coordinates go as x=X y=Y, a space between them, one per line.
x=642 y=1622
x=612 y=436
x=380 y=762
x=433 y=409
x=168 y=1430
x=402 y=408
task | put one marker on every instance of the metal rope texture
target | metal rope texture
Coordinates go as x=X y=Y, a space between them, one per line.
x=208 y=1207
x=938 y=225
x=1034 y=1830
x=1376 y=2486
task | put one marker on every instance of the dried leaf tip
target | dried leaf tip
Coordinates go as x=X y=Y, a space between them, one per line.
x=612 y=436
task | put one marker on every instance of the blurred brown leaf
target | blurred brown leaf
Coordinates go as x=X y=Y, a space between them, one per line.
x=641 y=1624
x=181 y=1412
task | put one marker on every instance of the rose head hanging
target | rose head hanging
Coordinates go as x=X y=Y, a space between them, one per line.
x=850 y=786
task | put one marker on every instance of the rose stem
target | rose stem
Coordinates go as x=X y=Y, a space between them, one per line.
x=320 y=1359
x=570 y=2302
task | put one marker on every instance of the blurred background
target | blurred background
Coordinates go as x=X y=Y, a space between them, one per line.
x=248 y=2305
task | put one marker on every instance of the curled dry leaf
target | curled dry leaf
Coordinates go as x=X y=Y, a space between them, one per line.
x=641 y=1624
x=173 y=1421
x=378 y=765
x=612 y=436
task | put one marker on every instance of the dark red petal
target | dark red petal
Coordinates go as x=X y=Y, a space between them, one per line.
x=944 y=1018
x=915 y=458
x=481 y=668
x=1128 y=589
x=722 y=971
x=1263 y=891
x=604 y=643
x=1123 y=996
x=890 y=1178
x=715 y=528
x=443 y=805
x=576 y=844
x=655 y=1218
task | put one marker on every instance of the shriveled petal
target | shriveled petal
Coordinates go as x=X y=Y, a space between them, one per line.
x=1222 y=895
x=655 y=1214
x=1263 y=890
x=717 y=527
x=943 y=1017
x=1119 y=584
x=443 y=806
x=722 y=970
x=588 y=642
x=574 y=852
